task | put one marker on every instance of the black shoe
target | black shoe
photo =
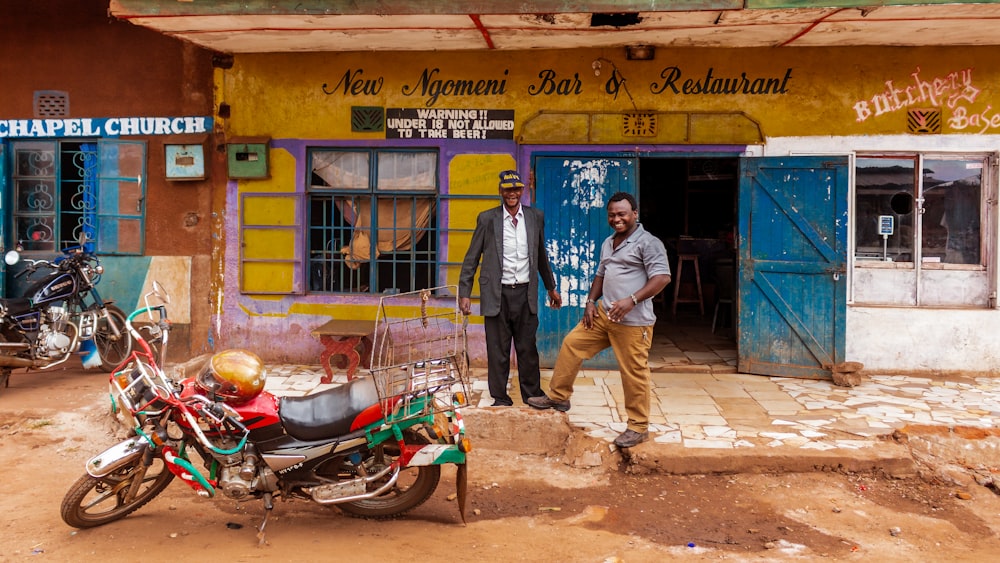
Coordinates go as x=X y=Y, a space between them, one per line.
x=503 y=403
x=544 y=402
x=630 y=438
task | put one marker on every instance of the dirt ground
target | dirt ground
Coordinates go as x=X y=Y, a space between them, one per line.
x=521 y=508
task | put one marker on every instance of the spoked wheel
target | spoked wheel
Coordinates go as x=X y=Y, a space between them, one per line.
x=414 y=486
x=93 y=501
x=113 y=349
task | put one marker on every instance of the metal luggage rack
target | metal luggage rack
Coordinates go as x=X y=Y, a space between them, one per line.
x=420 y=350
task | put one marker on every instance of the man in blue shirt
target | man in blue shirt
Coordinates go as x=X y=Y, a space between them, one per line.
x=619 y=313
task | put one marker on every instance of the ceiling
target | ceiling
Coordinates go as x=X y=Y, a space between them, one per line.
x=258 y=26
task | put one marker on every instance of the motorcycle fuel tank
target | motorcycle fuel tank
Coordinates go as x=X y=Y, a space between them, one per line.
x=54 y=287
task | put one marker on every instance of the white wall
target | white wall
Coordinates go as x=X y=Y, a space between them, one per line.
x=891 y=339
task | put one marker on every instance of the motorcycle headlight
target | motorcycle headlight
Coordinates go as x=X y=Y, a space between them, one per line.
x=98 y=269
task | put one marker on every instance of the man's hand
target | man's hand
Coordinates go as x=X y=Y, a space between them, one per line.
x=588 y=315
x=465 y=305
x=555 y=301
x=619 y=309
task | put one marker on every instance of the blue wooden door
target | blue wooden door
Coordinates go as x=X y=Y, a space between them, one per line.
x=573 y=192
x=793 y=254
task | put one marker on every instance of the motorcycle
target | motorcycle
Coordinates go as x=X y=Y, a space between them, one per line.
x=372 y=447
x=60 y=314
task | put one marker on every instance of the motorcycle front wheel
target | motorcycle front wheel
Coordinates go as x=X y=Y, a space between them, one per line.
x=95 y=501
x=414 y=486
x=113 y=351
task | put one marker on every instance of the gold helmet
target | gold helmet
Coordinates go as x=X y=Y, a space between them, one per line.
x=235 y=376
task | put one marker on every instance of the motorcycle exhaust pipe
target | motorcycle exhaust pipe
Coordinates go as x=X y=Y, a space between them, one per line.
x=342 y=492
x=15 y=362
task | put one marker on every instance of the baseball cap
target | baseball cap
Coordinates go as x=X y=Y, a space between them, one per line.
x=509 y=180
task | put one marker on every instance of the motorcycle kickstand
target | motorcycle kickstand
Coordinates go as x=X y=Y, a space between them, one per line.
x=268 y=507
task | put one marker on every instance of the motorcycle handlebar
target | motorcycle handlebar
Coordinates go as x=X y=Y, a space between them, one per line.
x=220 y=413
x=33 y=266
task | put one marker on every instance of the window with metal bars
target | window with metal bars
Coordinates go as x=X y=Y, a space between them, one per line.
x=63 y=189
x=372 y=220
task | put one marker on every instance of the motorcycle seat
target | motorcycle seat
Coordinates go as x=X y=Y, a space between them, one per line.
x=16 y=305
x=329 y=413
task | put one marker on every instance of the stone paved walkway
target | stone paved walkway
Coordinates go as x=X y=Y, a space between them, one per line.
x=719 y=409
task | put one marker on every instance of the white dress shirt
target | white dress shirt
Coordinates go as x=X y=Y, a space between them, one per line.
x=515 y=248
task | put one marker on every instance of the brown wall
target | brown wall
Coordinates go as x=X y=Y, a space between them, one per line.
x=111 y=68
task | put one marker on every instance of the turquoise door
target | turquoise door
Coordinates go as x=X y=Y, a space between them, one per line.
x=793 y=254
x=573 y=192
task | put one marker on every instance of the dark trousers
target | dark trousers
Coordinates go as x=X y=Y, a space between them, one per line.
x=515 y=323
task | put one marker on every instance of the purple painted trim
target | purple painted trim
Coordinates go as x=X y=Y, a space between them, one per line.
x=525 y=153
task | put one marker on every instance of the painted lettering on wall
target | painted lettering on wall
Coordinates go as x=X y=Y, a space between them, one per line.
x=431 y=87
x=104 y=127
x=550 y=84
x=948 y=90
x=353 y=84
x=674 y=82
x=982 y=121
x=420 y=123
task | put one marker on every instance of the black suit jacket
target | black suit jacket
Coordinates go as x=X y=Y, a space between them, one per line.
x=487 y=244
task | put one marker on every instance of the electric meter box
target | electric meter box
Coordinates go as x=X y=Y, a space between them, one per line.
x=247 y=159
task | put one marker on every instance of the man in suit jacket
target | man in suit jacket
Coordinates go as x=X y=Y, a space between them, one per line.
x=510 y=241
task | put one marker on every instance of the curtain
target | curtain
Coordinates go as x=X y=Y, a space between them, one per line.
x=402 y=223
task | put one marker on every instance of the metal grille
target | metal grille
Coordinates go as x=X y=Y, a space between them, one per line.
x=367 y=119
x=419 y=352
x=51 y=103
x=373 y=224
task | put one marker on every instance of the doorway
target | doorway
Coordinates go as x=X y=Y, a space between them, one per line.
x=690 y=203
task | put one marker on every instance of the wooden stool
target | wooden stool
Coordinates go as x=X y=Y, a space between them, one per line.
x=342 y=337
x=700 y=300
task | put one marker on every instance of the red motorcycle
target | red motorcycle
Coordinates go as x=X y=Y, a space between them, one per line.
x=373 y=447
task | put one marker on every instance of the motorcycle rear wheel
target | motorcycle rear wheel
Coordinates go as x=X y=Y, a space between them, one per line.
x=95 y=501
x=414 y=486
x=113 y=352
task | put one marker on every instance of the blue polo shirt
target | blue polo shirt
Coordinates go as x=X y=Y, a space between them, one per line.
x=628 y=268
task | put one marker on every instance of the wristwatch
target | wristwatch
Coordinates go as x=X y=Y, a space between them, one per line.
x=634 y=300
x=592 y=302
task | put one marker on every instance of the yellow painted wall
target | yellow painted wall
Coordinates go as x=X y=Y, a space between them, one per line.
x=847 y=91
x=473 y=174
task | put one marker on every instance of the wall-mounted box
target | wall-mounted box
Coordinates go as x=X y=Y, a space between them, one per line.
x=247 y=158
x=184 y=162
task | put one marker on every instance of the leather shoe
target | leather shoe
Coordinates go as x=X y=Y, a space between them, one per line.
x=544 y=402
x=630 y=438
x=498 y=403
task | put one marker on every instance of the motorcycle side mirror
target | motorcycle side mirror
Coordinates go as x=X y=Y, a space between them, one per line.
x=11 y=258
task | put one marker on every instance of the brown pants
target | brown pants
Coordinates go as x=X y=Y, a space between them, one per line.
x=631 y=346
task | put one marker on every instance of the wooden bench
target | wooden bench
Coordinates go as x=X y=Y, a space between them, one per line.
x=343 y=338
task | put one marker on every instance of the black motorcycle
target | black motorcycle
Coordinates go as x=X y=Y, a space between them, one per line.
x=61 y=314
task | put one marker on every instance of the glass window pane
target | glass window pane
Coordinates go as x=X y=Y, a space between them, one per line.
x=35 y=196
x=123 y=236
x=35 y=159
x=342 y=170
x=122 y=159
x=951 y=219
x=885 y=187
x=119 y=197
x=35 y=233
x=407 y=171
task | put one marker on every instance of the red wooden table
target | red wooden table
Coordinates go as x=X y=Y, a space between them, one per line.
x=343 y=338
